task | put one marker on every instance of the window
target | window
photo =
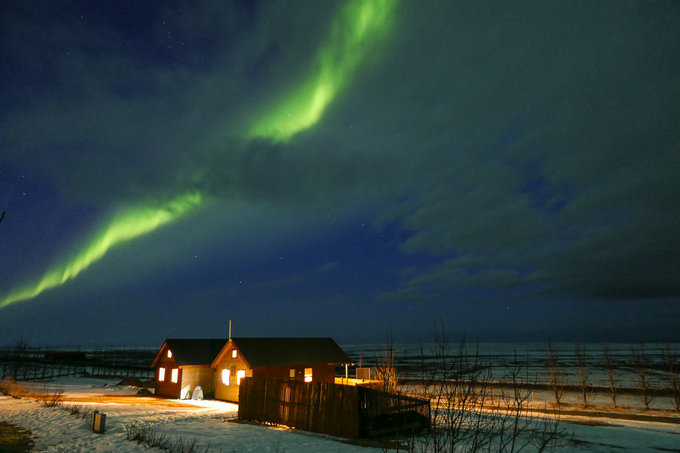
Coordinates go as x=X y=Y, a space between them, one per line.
x=234 y=353
x=225 y=376
x=292 y=373
x=308 y=375
x=175 y=375
x=169 y=354
x=239 y=375
x=161 y=374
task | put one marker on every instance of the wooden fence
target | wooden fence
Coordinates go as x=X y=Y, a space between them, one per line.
x=337 y=410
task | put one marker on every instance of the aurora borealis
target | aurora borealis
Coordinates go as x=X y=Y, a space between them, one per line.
x=339 y=168
x=124 y=226
x=350 y=36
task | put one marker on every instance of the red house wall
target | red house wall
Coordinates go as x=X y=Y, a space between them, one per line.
x=167 y=387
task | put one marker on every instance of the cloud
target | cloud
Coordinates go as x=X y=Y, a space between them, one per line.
x=550 y=154
x=113 y=109
x=533 y=150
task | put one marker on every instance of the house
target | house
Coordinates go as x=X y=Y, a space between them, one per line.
x=300 y=359
x=184 y=366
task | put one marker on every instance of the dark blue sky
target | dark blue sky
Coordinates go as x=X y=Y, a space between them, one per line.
x=508 y=169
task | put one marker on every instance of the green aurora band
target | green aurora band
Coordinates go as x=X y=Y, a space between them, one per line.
x=358 y=24
x=126 y=225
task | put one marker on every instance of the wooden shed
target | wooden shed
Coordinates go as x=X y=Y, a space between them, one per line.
x=184 y=364
x=297 y=359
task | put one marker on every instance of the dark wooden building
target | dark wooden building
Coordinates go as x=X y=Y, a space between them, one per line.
x=298 y=359
x=183 y=364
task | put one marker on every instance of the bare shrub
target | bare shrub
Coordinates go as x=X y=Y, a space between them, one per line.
x=582 y=372
x=673 y=382
x=182 y=445
x=609 y=369
x=74 y=409
x=385 y=371
x=54 y=399
x=78 y=411
x=146 y=434
x=279 y=449
x=466 y=414
x=12 y=388
x=556 y=377
x=21 y=391
x=640 y=363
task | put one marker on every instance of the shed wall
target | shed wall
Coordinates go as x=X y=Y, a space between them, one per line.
x=193 y=376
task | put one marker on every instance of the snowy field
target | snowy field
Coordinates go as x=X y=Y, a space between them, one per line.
x=55 y=430
x=211 y=423
x=532 y=356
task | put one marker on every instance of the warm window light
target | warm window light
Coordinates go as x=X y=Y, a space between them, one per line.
x=161 y=374
x=169 y=354
x=292 y=373
x=308 y=375
x=225 y=376
x=234 y=353
x=239 y=375
x=175 y=375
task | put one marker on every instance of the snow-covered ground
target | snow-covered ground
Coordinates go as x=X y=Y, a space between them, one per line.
x=211 y=423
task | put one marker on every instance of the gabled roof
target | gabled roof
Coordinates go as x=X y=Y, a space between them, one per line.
x=288 y=351
x=192 y=351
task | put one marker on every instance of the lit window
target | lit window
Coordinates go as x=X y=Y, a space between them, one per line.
x=292 y=373
x=234 y=353
x=225 y=376
x=239 y=375
x=161 y=374
x=169 y=354
x=175 y=375
x=308 y=375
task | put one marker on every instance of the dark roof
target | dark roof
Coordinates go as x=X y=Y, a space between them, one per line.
x=195 y=351
x=290 y=351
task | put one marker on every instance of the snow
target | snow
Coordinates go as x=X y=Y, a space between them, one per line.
x=212 y=424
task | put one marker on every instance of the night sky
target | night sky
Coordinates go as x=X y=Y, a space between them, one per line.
x=339 y=168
